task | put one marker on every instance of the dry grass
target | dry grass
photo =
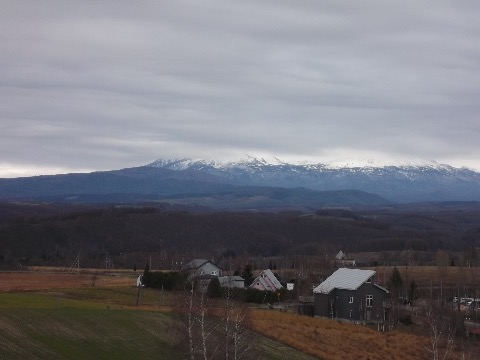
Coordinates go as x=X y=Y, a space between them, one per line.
x=427 y=275
x=321 y=338
x=331 y=340
x=35 y=280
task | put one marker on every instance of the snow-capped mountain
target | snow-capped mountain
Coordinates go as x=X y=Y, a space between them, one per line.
x=401 y=181
x=255 y=183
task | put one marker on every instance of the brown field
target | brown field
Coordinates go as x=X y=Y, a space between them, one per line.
x=428 y=275
x=47 y=279
x=332 y=340
x=322 y=338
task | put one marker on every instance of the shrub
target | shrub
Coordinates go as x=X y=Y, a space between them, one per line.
x=164 y=280
x=406 y=320
x=214 y=289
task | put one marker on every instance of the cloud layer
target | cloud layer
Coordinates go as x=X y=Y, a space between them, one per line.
x=96 y=85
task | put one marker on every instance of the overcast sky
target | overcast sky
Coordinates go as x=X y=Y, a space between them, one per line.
x=96 y=85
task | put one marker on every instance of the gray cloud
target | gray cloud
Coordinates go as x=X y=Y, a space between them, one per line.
x=87 y=85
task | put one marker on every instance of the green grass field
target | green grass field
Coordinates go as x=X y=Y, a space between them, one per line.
x=98 y=323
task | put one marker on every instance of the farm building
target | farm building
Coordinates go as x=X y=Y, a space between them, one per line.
x=351 y=294
x=199 y=267
x=266 y=281
x=341 y=260
x=232 y=282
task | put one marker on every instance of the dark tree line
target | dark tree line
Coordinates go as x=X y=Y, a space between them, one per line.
x=103 y=233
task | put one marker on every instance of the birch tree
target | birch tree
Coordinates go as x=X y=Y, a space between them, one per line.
x=237 y=338
x=440 y=335
x=213 y=330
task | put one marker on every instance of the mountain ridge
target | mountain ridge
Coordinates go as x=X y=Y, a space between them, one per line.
x=427 y=181
x=221 y=184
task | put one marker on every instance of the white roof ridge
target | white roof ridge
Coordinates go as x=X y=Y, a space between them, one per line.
x=345 y=279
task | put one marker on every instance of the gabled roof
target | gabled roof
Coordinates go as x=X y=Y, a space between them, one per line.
x=264 y=283
x=195 y=264
x=340 y=255
x=268 y=280
x=347 y=279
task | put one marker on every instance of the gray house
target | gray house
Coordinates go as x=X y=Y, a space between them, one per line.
x=351 y=294
x=199 y=267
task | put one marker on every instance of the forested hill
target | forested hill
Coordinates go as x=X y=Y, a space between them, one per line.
x=251 y=185
x=101 y=232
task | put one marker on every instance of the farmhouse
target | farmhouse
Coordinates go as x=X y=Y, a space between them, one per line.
x=351 y=294
x=341 y=260
x=199 y=267
x=266 y=281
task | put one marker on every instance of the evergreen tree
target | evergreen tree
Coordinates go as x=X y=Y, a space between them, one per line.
x=247 y=275
x=214 y=289
x=395 y=281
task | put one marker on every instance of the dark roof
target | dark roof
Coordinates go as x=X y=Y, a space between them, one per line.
x=195 y=264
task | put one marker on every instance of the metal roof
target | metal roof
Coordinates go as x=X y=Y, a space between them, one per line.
x=271 y=277
x=347 y=279
x=230 y=279
x=195 y=264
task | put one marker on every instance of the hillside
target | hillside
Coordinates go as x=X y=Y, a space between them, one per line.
x=252 y=185
x=129 y=235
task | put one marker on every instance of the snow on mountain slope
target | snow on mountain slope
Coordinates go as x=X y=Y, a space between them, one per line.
x=250 y=162
x=397 y=181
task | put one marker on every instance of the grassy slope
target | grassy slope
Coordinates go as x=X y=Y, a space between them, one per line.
x=79 y=322
x=97 y=323
x=331 y=340
x=82 y=333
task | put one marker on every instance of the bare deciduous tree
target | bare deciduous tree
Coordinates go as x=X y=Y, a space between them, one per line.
x=440 y=335
x=441 y=259
x=238 y=343
x=210 y=330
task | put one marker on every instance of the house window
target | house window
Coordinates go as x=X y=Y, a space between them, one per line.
x=214 y=272
x=350 y=301
x=369 y=301
x=369 y=280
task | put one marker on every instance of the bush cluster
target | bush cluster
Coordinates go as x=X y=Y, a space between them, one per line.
x=171 y=280
x=255 y=296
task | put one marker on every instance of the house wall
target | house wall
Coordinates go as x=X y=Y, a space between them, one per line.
x=322 y=305
x=343 y=308
x=208 y=268
x=240 y=284
x=258 y=285
x=232 y=282
x=361 y=311
x=356 y=311
x=264 y=283
x=271 y=285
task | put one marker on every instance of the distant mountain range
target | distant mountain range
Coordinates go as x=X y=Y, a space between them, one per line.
x=253 y=183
